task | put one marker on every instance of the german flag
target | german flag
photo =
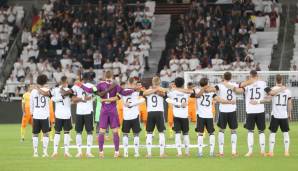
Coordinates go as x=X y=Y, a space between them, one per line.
x=36 y=24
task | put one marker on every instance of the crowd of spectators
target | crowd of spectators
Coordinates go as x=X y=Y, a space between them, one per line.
x=86 y=38
x=10 y=21
x=219 y=37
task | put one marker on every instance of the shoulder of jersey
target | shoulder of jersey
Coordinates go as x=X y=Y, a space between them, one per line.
x=45 y=89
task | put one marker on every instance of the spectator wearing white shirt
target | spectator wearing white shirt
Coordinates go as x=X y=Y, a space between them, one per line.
x=54 y=39
x=107 y=65
x=174 y=63
x=66 y=60
x=184 y=63
x=48 y=9
x=164 y=77
x=193 y=63
x=237 y=65
x=76 y=27
x=260 y=22
x=145 y=47
x=124 y=67
x=254 y=37
x=116 y=67
x=259 y=6
x=97 y=59
x=76 y=66
x=11 y=86
x=26 y=34
x=57 y=75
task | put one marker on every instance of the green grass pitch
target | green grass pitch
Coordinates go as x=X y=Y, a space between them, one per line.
x=17 y=156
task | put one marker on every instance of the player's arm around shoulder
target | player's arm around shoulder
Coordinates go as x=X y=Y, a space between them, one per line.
x=223 y=101
x=149 y=92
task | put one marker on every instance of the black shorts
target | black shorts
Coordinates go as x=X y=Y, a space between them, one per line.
x=66 y=124
x=155 y=118
x=133 y=124
x=282 y=123
x=205 y=122
x=181 y=124
x=41 y=125
x=255 y=119
x=227 y=118
x=84 y=120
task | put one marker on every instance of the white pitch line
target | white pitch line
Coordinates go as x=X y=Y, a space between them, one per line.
x=140 y=146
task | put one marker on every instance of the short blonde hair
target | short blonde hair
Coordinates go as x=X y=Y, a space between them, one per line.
x=155 y=81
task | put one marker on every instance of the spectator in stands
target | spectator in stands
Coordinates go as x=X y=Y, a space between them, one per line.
x=260 y=22
x=11 y=84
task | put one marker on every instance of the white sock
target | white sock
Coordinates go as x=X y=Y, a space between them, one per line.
x=212 y=143
x=250 y=141
x=200 y=144
x=221 y=141
x=79 y=143
x=56 y=142
x=89 y=143
x=271 y=142
x=186 y=143
x=234 y=143
x=286 y=141
x=178 y=143
x=66 y=143
x=162 y=143
x=262 y=142
x=45 y=143
x=136 y=142
x=35 y=144
x=149 y=144
x=125 y=144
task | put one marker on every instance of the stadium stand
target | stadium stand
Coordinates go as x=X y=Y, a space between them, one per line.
x=10 y=22
x=213 y=37
x=84 y=38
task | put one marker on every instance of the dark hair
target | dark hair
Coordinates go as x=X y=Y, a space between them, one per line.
x=86 y=76
x=179 y=82
x=253 y=73
x=42 y=79
x=131 y=80
x=122 y=83
x=278 y=79
x=228 y=76
x=63 y=79
x=190 y=84
x=204 y=81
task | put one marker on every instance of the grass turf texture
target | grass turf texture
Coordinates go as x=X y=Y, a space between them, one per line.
x=17 y=156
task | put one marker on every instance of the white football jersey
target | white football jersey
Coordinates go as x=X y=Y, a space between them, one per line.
x=280 y=104
x=39 y=105
x=205 y=105
x=83 y=108
x=62 y=104
x=227 y=94
x=255 y=91
x=180 y=97
x=133 y=112
x=155 y=103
